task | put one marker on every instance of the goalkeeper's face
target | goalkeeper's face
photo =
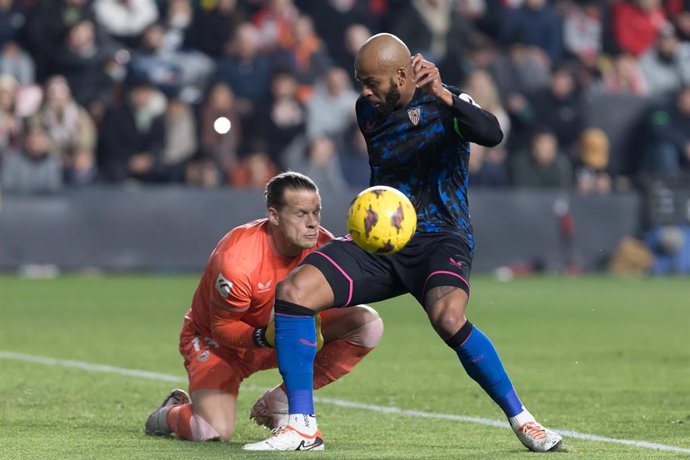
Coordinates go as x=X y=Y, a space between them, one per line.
x=297 y=222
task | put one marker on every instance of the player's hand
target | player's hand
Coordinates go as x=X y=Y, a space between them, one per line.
x=428 y=77
x=269 y=334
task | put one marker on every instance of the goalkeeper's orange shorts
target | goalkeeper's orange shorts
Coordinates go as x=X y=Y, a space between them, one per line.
x=211 y=367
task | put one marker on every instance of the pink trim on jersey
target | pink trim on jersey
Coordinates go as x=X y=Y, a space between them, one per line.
x=349 y=298
x=445 y=272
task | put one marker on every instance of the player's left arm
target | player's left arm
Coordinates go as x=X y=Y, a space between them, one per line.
x=469 y=120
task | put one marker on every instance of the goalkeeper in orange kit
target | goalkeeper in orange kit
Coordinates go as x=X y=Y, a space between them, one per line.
x=227 y=334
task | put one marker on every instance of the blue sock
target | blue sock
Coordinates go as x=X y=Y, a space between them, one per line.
x=296 y=349
x=479 y=358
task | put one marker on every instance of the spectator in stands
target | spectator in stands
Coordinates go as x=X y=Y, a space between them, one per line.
x=221 y=147
x=180 y=139
x=173 y=71
x=126 y=20
x=35 y=167
x=355 y=36
x=619 y=74
x=480 y=85
x=679 y=13
x=666 y=66
x=307 y=57
x=543 y=165
x=670 y=245
x=17 y=62
x=179 y=15
x=275 y=21
x=213 y=25
x=435 y=29
x=333 y=19
x=323 y=164
x=12 y=21
x=331 y=110
x=48 y=24
x=132 y=136
x=10 y=122
x=354 y=158
x=246 y=69
x=522 y=70
x=284 y=118
x=71 y=131
x=488 y=166
x=590 y=173
x=561 y=108
x=82 y=60
x=254 y=169
x=582 y=30
x=203 y=171
x=635 y=24
x=534 y=23
x=668 y=149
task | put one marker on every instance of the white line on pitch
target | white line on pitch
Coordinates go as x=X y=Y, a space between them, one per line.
x=333 y=401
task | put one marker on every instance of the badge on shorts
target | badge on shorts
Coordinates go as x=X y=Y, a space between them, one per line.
x=203 y=356
x=414 y=115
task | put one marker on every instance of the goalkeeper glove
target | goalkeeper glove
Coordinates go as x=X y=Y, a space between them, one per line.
x=267 y=335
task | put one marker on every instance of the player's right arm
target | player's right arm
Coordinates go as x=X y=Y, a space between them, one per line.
x=230 y=299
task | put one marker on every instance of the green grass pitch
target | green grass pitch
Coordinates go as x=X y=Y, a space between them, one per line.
x=598 y=356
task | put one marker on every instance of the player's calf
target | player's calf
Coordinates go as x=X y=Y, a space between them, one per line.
x=157 y=423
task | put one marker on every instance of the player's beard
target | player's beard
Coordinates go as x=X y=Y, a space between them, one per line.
x=392 y=100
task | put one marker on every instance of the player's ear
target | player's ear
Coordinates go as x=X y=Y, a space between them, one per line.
x=401 y=75
x=273 y=216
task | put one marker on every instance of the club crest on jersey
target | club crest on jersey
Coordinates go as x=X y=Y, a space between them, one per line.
x=223 y=285
x=414 y=115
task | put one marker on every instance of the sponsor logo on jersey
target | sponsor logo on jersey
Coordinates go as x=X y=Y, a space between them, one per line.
x=223 y=286
x=263 y=287
x=414 y=115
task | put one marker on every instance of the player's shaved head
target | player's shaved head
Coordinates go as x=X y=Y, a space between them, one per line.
x=384 y=50
x=384 y=67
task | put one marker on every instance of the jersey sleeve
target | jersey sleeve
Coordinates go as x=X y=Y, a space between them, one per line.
x=471 y=122
x=230 y=300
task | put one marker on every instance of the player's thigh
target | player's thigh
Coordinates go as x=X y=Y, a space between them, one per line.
x=354 y=275
x=340 y=322
x=433 y=265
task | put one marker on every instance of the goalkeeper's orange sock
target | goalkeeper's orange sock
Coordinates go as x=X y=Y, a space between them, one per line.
x=336 y=359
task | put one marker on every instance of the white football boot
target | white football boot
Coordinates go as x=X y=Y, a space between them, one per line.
x=288 y=438
x=156 y=423
x=271 y=409
x=537 y=438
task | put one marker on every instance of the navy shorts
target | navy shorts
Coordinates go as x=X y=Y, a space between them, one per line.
x=429 y=260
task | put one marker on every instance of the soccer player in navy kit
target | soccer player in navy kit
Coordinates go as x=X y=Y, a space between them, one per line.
x=418 y=133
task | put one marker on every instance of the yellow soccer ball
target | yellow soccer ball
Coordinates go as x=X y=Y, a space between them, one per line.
x=381 y=220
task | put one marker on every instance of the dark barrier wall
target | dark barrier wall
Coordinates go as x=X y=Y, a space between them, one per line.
x=171 y=229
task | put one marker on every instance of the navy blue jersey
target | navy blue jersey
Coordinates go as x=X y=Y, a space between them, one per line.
x=423 y=150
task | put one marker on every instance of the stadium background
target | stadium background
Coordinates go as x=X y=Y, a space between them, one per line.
x=126 y=179
x=107 y=113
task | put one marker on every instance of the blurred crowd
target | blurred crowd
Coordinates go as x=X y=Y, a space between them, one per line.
x=592 y=95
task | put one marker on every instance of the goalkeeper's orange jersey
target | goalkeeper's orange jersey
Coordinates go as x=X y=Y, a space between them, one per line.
x=236 y=292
